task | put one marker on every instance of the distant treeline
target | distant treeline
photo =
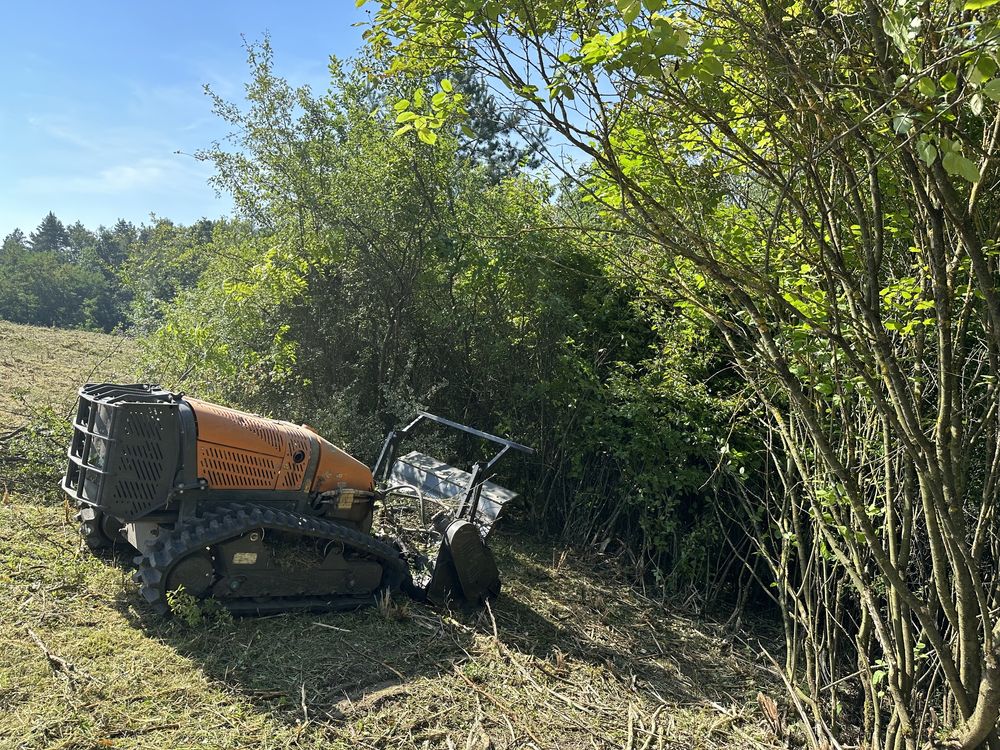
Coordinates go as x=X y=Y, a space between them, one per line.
x=72 y=277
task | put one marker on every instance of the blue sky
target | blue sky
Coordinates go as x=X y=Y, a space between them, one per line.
x=98 y=97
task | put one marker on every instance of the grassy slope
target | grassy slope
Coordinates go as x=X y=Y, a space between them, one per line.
x=45 y=367
x=567 y=658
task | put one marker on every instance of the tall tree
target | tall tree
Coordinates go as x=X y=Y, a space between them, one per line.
x=51 y=237
x=117 y=244
x=163 y=258
x=14 y=245
x=81 y=242
x=504 y=141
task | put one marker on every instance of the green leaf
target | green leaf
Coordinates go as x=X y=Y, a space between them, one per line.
x=713 y=65
x=406 y=116
x=979 y=4
x=992 y=89
x=595 y=50
x=468 y=132
x=976 y=104
x=902 y=123
x=438 y=99
x=359 y=3
x=427 y=136
x=982 y=70
x=956 y=164
x=949 y=80
x=418 y=98
x=405 y=129
x=630 y=9
x=401 y=105
x=927 y=151
x=927 y=87
x=446 y=85
x=704 y=75
x=898 y=26
x=879 y=674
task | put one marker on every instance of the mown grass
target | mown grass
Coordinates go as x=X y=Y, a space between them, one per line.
x=44 y=367
x=570 y=656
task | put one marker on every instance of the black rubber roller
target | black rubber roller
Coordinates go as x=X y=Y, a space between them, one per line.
x=98 y=529
x=475 y=567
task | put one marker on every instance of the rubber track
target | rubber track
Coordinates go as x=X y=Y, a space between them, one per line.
x=229 y=520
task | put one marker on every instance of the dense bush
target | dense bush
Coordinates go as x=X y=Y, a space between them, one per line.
x=370 y=275
x=814 y=179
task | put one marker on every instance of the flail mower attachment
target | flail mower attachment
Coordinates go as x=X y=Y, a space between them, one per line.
x=467 y=507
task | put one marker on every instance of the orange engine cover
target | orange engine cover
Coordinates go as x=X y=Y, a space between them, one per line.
x=240 y=451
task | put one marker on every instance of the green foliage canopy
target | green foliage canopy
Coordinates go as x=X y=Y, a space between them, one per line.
x=370 y=275
x=812 y=179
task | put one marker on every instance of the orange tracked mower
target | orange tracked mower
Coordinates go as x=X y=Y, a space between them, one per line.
x=267 y=516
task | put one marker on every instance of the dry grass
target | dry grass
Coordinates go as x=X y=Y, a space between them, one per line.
x=568 y=657
x=45 y=366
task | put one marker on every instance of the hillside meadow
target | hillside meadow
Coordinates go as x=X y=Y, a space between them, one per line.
x=44 y=367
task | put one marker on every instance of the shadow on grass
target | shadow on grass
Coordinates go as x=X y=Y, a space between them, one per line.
x=566 y=623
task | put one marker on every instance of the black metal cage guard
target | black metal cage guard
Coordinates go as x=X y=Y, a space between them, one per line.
x=126 y=448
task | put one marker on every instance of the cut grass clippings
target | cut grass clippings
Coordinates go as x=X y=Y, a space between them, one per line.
x=567 y=658
x=44 y=367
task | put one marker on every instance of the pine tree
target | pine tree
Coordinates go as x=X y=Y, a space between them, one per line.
x=51 y=237
x=81 y=242
x=14 y=246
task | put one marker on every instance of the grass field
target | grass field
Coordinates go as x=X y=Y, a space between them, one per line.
x=569 y=657
x=45 y=367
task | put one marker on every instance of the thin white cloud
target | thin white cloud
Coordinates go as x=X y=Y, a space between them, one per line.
x=64 y=132
x=144 y=174
x=88 y=137
x=151 y=102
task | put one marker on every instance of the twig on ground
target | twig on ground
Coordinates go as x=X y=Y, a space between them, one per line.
x=15 y=433
x=493 y=620
x=56 y=663
x=507 y=710
x=331 y=627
